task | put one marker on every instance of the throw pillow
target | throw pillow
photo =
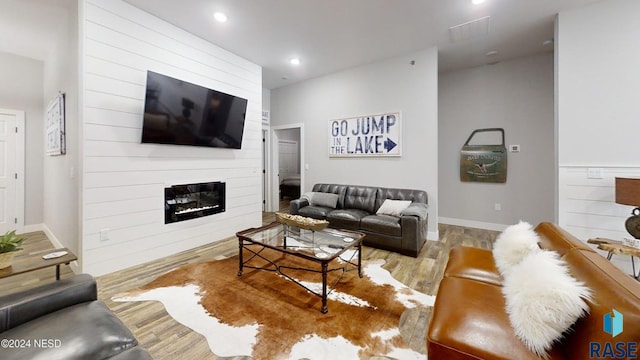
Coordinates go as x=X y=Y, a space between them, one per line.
x=307 y=196
x=322 y=199
x=543 y=300
x=393 y=207
x=515 y=242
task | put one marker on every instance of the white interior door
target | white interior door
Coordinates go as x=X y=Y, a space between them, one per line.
x=11 y=194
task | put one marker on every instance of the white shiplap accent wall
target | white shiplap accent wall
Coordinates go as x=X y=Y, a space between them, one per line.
x=123 y=180
x=587 y=207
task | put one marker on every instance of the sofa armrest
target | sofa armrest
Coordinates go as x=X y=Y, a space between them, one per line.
x=19 y=308
x=413 y=221
x=296 y=205
x=417 y=209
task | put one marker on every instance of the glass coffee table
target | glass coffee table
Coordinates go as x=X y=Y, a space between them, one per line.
x=331 y=250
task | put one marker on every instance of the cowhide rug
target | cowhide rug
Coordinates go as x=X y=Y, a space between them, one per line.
x=264 y=315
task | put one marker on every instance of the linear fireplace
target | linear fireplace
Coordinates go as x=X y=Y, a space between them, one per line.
x=190 y=201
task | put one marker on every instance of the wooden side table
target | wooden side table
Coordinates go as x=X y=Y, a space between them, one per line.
x=616 y=247
x=29 y=262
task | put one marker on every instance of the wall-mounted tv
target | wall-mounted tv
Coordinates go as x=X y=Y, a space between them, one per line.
x=181 y=113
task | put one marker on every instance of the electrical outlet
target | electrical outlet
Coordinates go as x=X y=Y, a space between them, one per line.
x=497 y=207
x=595 y=173
x=514 y=148
x=104 y=234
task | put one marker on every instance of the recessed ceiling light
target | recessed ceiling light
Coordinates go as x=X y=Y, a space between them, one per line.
x=294 y=61
x=221 y=17
x=492 y=53
x=477 y=2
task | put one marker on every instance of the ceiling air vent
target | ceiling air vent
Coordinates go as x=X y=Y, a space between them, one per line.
x=470 y=29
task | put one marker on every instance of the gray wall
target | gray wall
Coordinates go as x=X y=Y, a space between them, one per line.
x=515 y=95
x=385 y=86
x=21 y=89
x=61 y=188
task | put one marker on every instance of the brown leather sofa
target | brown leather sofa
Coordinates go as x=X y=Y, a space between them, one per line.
x=356 y=210
x=469 y=319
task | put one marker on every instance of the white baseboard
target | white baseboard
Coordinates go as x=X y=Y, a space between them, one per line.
x=31 y=228
x=75 y=267
x=472 y=224
x=433 y=235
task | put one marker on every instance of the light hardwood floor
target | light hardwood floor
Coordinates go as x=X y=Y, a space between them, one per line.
x=167 y=339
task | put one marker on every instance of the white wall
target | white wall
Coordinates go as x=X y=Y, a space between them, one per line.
x=384 y=86
x=599 y=83
x=21 y=89
x=517 y=96
x=61 y=184
x=123 y=180
x=598 y=115
x=292 y=135
x=266 y=99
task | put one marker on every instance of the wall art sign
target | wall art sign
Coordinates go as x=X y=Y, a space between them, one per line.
x=365 y=136
x=55 y=126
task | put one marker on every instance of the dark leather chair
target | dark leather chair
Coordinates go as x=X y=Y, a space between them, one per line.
x=64 y=320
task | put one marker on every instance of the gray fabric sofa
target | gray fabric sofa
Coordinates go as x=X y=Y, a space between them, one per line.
x=356 y=210
x=64 y=320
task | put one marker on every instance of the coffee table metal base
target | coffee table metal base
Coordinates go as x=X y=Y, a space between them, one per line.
x=256 y=250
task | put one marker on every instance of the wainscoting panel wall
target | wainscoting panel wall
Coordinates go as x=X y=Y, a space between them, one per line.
x=587 y=206
x=124 y=180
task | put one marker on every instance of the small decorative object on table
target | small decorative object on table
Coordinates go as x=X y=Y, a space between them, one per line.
x=301 y=222
x=9 y=246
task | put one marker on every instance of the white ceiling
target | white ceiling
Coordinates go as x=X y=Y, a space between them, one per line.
x=327 y=35
x=330 y=35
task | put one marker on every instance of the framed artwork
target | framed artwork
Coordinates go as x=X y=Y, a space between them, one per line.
x=366 y=136
x=55 y=143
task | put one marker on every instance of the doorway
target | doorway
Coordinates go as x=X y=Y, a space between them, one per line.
x=12 y=137
x=287 y=165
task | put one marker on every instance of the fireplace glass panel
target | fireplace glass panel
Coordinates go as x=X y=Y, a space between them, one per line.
x=191 y=201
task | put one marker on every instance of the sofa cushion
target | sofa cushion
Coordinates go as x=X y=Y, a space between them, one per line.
x=83 y=331
x=415 y=196
x=333 y=189
x=346 y=218
x=469 y=322
x=473 y=263
x=382 y=224
x=322 y=199
x=316 y=212
x=393 y=207
x=361 y=198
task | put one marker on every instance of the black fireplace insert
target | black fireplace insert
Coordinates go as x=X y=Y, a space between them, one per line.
x=190 y=201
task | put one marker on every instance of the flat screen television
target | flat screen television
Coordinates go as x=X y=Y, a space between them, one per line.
x=181 y=113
